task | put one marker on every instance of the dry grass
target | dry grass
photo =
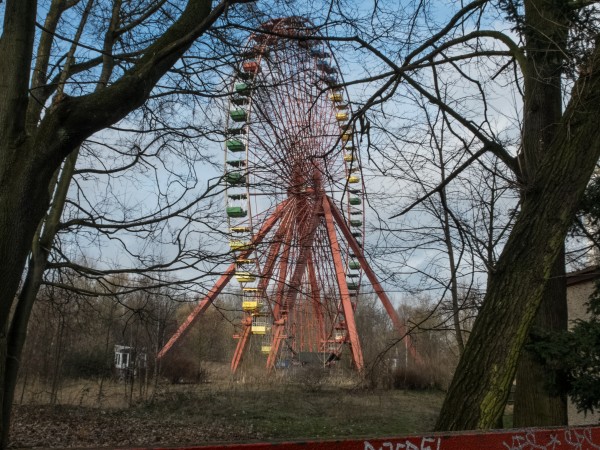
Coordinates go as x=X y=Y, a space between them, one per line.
x=307 y=404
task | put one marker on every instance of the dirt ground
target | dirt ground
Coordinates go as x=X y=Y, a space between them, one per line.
x=216 y=412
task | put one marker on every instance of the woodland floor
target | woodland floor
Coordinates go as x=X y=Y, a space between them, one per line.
x=218 y=411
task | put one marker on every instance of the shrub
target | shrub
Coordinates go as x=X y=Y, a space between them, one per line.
x=182 y=370
x=411 y=378
x=86 y=364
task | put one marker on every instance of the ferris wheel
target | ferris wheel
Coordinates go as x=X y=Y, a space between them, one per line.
x=294 y=201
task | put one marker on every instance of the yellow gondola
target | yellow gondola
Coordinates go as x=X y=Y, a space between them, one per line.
x=251 y=305
x=260 y=324
x=336 y=96
x=240 y=229
x=240 y=245
x=245 y=277
x=353 y=179
x=252 y=300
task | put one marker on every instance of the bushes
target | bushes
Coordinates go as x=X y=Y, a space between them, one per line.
x=86 y=364
x=412 y=379
x=180 y=370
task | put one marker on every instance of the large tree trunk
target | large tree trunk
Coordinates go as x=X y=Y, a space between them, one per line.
x=17 y=227
x=545 y=35
x=481 y=384
x=534 y=405
x=30 y=154
x=38 y=260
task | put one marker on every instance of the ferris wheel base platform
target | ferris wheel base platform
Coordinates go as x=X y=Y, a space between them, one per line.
x=564 y=438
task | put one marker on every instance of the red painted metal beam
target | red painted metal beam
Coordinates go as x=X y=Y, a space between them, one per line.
x=573 y=438
x=278 y=322
x=198 y=310
x=316 y=301
x=262 y=286
x=387 y=304
x=357 y=356
x=241 y=346
x=306 y=243
x=221 y=283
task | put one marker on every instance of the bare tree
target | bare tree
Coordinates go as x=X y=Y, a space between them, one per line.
x=46 y=114
x=499 y=73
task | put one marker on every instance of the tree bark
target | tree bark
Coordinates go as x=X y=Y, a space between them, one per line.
x=534 y=405
x=30 y=154
x=545 y=37
x=481 y=384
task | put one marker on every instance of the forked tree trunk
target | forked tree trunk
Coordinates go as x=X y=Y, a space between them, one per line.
x=481 y=384
x=545 y=36
x=31 y=152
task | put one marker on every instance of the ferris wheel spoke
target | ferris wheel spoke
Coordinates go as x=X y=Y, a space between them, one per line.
x=281 y=281
x=315 y=292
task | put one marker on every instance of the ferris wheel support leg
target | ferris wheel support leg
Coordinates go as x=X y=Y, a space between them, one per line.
x=277 y=338
x=387 y=304
x=278 y=322
x=357 y=356
x=306 y=244
x=266 y=276
x=198 y=310
x=316 y=295
x=220 y=284
x=241 y=346
x=283 y=269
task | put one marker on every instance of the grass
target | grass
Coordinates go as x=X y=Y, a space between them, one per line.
x=291 y=412
x=224 y=409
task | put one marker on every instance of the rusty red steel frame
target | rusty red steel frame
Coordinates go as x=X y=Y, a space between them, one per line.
x=292 y=168
x=572 y=438
x=219 y=286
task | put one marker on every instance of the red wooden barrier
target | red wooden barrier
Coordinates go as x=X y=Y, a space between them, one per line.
x=574 y=438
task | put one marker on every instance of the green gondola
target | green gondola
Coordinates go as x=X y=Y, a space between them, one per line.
x=242 y=88
x=235 y=178
x=236 y=211
x=238 y=115
x=235 y=145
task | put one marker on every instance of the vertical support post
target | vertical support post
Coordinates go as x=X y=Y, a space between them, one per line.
x=340 y=273
x=387 y=304
x=306 y=242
